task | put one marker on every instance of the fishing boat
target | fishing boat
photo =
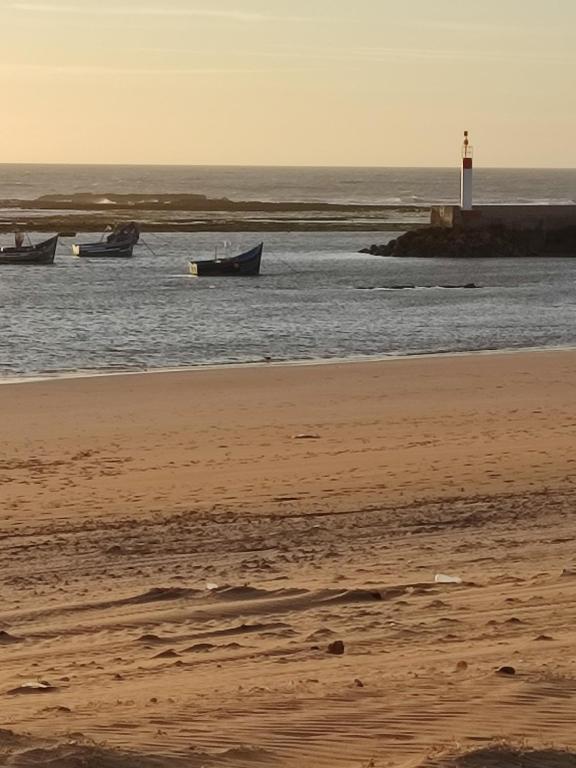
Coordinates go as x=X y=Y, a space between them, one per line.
x=118 y=245
x=41 y=253
x=245 y=265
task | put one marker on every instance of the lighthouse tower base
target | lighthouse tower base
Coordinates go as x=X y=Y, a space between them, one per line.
x=466 y=188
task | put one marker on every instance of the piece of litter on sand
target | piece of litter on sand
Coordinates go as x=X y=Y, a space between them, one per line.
x=210 y=586
x=305 y=436
x=442 y=578
x=34 y=687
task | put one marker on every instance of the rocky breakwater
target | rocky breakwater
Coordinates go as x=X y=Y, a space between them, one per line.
x=482 y=243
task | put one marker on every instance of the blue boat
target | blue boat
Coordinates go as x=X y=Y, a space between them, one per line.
x=245 y=265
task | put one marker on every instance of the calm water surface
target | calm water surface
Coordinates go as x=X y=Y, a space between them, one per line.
x=147 y=313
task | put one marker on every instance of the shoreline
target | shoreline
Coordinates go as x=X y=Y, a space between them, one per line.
x=39 y=378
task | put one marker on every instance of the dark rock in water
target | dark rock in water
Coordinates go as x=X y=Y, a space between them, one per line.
x=413 y=287
x=378 y=250
x=477 y=243
x=468 y=286
x=337 y=648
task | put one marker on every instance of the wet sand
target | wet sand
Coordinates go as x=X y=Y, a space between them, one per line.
x=318 y=503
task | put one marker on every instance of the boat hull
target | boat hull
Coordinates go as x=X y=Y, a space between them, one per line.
x=43 y=253
x=103 y=251
x=119 y=245
x=245 y=265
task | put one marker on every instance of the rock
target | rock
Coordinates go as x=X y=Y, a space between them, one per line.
x=336 y=648
x=358 y=683
x=413 y=286
x=485 y=242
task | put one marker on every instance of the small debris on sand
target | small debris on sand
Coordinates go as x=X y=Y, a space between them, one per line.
x=336 y=648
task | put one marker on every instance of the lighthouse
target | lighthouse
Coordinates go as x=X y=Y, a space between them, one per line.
x=467 y=175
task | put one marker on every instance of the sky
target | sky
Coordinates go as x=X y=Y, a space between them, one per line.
x=288 y=82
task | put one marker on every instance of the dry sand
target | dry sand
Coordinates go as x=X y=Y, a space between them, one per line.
x=322 y=501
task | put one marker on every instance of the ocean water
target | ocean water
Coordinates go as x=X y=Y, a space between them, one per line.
x=393 y=186
x=310 y=302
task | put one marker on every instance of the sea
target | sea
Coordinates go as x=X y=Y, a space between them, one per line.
x=318 y=298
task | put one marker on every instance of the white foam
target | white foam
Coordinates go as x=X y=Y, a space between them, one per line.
x=312 y=362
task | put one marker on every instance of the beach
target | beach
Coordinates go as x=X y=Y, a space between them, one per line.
x=183 y=553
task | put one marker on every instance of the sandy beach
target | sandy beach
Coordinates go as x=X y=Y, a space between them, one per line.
x=181 y=551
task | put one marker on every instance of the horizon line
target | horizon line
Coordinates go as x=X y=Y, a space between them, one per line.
x=454 y=167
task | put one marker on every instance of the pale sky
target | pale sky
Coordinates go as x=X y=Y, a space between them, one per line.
x=288 y=82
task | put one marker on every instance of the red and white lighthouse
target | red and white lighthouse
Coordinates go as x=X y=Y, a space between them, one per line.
x=466 y=185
